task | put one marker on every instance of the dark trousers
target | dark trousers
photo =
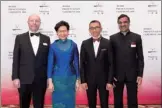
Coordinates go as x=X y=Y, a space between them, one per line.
x=131 y=94
x=36 y=91
x=92 y=95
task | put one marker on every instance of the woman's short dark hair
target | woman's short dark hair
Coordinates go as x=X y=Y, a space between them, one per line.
x=61 y=23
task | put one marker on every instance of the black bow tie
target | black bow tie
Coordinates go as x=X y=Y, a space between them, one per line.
x=36 y=34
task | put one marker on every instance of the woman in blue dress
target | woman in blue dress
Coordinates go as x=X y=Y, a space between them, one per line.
x=63 y=68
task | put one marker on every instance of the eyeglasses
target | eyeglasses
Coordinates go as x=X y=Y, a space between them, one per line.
x=94 y=28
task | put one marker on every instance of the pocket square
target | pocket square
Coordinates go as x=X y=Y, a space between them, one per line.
x=45 y=44
x=103 y=49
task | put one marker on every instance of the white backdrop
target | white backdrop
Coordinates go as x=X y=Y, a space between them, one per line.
x=145 y=19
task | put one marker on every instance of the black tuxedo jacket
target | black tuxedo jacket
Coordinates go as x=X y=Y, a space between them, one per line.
x=96 y=69
x=27 y=66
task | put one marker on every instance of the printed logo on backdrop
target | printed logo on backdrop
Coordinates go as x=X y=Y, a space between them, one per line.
x=49 y=33
x=151 y=32
x=152 y=8
x=124 y=9
x=10 y=55
x=98 y=9
x=44 y=9
x=152 y=54
x=70 y=9
x=72 y=32
x=14 y=9
x=16 y=30
x=105 y=33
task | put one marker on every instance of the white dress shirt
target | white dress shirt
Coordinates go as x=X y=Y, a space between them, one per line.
x=124 y=33
x=35 y=42
x=96 y=46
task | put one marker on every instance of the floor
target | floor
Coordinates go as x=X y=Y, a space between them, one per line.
x=84 y=106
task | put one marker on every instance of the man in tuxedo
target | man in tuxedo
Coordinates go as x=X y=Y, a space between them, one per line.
x=128 y=63
x=29 y=72
x=96 y=66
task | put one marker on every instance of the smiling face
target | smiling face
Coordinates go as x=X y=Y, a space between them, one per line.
x=62 y=32
x=95 y=29
x=34 y=23
x=124 y=24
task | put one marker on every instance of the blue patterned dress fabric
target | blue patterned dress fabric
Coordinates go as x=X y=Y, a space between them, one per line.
x=63 y=68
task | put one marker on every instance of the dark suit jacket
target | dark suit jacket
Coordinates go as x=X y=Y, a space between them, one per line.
x=27 y=66
x=96 y=69
x=128 y=56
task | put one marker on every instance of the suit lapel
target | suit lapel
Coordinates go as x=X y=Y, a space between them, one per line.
x=40 y=45
x=91 y=47
x=99 y=48
x=29 y=43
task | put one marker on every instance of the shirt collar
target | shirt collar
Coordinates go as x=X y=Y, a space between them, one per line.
x=125 y=33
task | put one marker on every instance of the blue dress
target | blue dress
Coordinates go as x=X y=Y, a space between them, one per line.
x=63 y=68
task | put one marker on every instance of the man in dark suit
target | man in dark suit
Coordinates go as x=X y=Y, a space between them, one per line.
x=30 y=64
x=128 y=63
x=96 y=66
